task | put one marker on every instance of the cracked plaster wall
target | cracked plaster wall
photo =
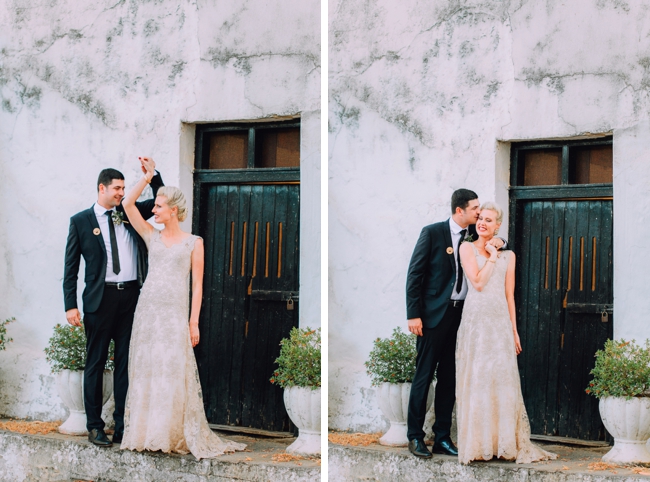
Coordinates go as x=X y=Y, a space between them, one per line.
x=425 y=97
x=90 y=84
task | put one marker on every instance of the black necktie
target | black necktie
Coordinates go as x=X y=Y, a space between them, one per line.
x=114 y=253
x=459 y=281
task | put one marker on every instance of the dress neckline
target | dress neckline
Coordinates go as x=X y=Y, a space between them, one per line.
x=484 y=257
x=174 y=244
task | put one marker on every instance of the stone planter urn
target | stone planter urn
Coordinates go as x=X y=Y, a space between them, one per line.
x=629 y=423
x=70 y=387
x=303 y=407
x=393 y=401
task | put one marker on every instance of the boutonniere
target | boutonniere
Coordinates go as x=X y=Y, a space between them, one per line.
x=468 y=239
x=118 y=218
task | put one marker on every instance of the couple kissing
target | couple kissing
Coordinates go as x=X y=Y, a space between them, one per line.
x=460 y=304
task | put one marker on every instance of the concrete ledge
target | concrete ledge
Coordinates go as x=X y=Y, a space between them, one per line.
x=384 y=464
x=55 y=457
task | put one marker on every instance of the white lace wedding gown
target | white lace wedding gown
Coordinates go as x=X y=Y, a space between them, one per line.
x=490 y=411
x=164 y=405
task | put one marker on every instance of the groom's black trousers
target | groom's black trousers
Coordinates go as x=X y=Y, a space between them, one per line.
x=436 y=348
x=112 y=320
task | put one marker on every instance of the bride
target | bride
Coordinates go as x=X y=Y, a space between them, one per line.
x=164 y=406
x=491 y=416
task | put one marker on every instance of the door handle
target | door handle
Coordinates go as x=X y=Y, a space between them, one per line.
x=274 y=295
x=594 y=308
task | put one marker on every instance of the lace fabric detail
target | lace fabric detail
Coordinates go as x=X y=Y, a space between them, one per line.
x=490 y=411
x=164 y=404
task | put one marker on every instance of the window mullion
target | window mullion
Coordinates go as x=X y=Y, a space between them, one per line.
x=251 y=148
x=565 y=164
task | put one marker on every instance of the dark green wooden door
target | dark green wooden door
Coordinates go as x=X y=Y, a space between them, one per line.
x=564 y=285
x=251 y=270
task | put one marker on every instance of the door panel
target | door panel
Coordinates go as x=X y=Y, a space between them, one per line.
x=564 y=274
x=251 y=238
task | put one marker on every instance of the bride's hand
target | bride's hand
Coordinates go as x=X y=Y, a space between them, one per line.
x=490 y=249
x=194 y=334
x=147 y=164
x=517 y=344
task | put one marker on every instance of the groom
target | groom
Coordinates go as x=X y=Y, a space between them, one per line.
x=116 y=266
x=435 y=292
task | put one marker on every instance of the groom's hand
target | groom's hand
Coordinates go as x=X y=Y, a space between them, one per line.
x=73 y=316
x=147 y=164
x=497 y=242
x=415 y=326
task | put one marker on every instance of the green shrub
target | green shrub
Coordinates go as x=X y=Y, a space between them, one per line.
x=4 y=339
x=622 y=370
x=392 y=359
x=66 y=349
x=299 y=360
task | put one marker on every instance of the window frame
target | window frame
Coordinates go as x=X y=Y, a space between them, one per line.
x=202 y=148
x=517 y=165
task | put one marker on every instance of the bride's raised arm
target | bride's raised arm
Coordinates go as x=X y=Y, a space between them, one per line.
x=143 y=228
x=478 y=277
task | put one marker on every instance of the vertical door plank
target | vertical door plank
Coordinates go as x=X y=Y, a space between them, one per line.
x=560 y=243
x=253 y=381
x=215 y=343
x=239 y=305
x=224 y=357
x=263 y=358
x=276 y=309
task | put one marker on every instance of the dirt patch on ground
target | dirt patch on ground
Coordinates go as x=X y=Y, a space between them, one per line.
x=363 y=439
x=33 y=427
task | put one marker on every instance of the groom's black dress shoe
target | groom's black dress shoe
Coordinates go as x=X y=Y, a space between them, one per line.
x=445 y=447
x=417 y=448
x=117 y=437
x=99 y=438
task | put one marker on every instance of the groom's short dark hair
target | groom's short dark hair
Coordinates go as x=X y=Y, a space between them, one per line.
x=461 y=198
x=107 y=175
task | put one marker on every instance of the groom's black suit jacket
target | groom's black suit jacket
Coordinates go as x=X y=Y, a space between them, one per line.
x=83 y=242
x=432 y=274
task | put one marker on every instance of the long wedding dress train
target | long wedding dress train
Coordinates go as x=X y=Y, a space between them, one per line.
x=164 y=404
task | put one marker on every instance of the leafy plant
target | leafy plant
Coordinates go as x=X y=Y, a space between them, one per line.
x=66 y=349
x=392 y=359
x=4 y=339
x=622 y=370
x=299 y=360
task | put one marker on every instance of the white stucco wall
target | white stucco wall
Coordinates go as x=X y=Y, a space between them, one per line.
x=425 y=98
x=86 y=85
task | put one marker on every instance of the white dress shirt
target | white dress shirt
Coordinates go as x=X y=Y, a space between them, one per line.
x=126 y=247
x=455 y=237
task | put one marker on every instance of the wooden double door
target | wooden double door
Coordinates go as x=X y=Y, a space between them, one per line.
x=250 y=299
x=564 y=309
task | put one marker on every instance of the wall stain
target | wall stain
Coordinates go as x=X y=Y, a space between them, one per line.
x=616 y=4
x=221 y=57
x=150 y=28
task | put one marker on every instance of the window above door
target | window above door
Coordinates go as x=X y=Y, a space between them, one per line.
x=557 y=163
x=259 y=145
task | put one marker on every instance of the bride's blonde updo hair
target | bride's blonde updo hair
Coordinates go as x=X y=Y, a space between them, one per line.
x=492 y=206
x=175 y=198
